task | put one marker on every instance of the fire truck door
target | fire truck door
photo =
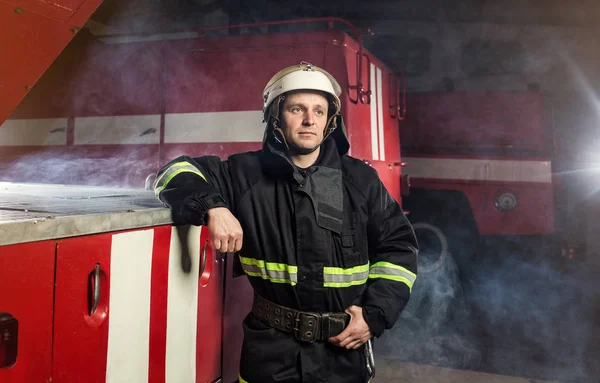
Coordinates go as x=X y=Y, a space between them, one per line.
x=27 y=285
x=81 y=309
x=138 y=306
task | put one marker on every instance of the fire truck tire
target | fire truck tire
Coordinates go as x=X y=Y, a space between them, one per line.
x=436 y=261
x=450 y=213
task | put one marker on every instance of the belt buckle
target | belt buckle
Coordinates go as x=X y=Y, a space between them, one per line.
x=306 y=327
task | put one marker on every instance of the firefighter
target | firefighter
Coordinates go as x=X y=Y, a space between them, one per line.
x=329 y=253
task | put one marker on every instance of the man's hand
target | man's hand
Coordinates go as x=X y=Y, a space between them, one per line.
x=225 y=230
x=356 y=334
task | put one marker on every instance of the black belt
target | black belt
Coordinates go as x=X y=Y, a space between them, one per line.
x=305 y=326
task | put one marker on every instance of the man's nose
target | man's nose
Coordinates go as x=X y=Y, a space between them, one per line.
x=308 y=120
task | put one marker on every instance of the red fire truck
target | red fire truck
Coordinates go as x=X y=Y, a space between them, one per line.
x=96 y=284
x=479 y=164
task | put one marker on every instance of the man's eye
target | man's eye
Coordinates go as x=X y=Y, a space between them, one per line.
x=295 y=109
x=319 y=113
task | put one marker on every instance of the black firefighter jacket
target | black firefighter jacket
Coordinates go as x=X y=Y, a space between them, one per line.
x=319 y=239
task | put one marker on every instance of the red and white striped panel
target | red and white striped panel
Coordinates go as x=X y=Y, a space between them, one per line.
x=155 y=298
x=377 y=121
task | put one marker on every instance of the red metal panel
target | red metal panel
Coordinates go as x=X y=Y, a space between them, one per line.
x=35 y=32
x=390 y=124
x=533 y=216
x=80 y=340
x=117 y=80
x=26 y=291
x=158 y=304
x=63 y=10
x=390 y=176
x=209 y=345
x=459 y=122
x=233 y=80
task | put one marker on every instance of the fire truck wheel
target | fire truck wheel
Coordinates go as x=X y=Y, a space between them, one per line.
x=433 y=246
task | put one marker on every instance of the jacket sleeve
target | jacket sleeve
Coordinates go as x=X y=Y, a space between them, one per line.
x=192 y=186
x=392 y=261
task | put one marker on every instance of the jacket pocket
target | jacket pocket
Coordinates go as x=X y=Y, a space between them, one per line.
x=349 y=243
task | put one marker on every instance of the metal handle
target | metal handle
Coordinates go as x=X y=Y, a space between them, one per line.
x=370 y=359
x=401 y=112
x=393 y=94
x=367 y=92
x=96 y=298
x=397 y=109
x=203 y=258
x=148 y=131
x=358 y=85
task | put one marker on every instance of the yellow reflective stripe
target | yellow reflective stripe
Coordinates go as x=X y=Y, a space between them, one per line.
x=339 y=277
x=269 y=265
x=393 y=278
x=393 y=266
x=172 y=171
x=387 y=270
x=271 y=271
x=241 y=379
x=345 y=284
x=350 y=271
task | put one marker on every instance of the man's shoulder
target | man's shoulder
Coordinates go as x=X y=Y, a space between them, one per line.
x=244 y=159
x=245 y=156
x=358 y=169
x=359 y=174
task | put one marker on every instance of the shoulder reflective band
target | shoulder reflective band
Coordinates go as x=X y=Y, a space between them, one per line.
x=271 y=271
x=241 y=379
x=338 y=277
x=170 y=173
x=393 y=272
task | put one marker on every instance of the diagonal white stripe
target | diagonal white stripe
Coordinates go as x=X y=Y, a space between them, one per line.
x=380 y=117
x=182 y=304
x=374 y=141
x=129 y=310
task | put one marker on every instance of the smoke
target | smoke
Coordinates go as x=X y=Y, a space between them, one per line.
x=434 y=325
x=125 y=167
x=521 y=313
x=538 y=305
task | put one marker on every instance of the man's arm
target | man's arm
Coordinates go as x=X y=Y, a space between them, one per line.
x=393 y=270
x=393 y=252
x=198 y=191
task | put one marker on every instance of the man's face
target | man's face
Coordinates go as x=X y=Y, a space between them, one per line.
x=303 y=118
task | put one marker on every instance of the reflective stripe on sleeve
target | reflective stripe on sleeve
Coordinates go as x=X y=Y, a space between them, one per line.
x=172 y=171
x=271 y=271
x=392 y=272
x=338 y=277
x=241 y=379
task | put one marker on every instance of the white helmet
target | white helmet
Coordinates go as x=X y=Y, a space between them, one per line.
x=304 y=76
